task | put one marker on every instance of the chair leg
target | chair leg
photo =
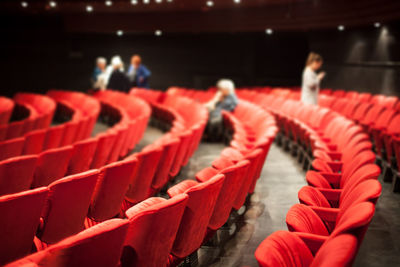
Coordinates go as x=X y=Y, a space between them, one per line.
x=396 y=182
x=387 y=174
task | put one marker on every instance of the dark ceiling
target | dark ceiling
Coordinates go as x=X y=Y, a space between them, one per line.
x=196 y=16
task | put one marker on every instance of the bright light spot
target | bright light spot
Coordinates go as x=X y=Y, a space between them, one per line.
x=169 y=1
x=120 y=33
x=109 y=3
x=377 y=24
x=158 y=32
x=236 y=1
x=269 y=31
x=340 y=28
x=24 y=4
x=134 y=2
x=146 y=2
x=158 y=1
x=89 y=9
x=210 y=3
x=52 y=4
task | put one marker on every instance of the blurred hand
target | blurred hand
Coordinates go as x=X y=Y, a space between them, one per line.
x=321 y=75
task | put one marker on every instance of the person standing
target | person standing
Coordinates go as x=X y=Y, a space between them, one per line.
x=138 y=73
x=311 y=79
x=118 y=80
x=100 y=76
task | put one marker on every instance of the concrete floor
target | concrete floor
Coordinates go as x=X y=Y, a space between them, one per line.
x=275 y=193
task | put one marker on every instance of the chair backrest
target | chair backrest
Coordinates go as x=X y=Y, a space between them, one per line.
x=109 y=193
x=34 y=141
x=153 y=227
x=51 y=166
x=202 y=199
x=11 y=148
x=100 y=245
x=82 y=156
x=53 y=137
x=104 y=147
x=67 y=206
x=16 y=174
x=19 y=221
x=148 y=160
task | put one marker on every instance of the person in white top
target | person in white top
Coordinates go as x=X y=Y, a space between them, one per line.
x=311 y=79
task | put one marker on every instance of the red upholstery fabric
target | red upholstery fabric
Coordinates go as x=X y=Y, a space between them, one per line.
x=51 y=166
x=109 y=193
x=16 y=174
x=152 y=231
x=19 y=222
x=301 y=218
x=82 y=155
x=104 y=147
x=53 y=137
x=311 y=196
x=34 y=141
x=67 y=206
x=202 y=199
x=11 y=148
x=222 y=163
x=185 y=138
x=100 y=245
x=148 y=161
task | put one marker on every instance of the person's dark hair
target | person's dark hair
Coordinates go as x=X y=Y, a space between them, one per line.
x=312 y=57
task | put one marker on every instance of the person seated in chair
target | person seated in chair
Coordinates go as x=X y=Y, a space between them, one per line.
x=224 y=99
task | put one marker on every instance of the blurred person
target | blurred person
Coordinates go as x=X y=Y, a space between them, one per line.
x=138 y=73
x=225 y=99
x=118 y=80
x=100 y=75
x=312 y=79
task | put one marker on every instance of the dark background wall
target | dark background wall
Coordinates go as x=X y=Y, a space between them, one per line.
x=37 y=54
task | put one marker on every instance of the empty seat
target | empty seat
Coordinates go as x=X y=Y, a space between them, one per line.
x=99 y=246
x=104 y=147
x=52 y=165
x=82 y=155
x=53 y=137
x=19 y=222
x=16 y=174
x=66 y=207
x=152 y=230
x=11 y=148
x=34 y=141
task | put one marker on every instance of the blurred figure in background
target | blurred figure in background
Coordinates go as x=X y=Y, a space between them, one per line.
x=118 y=80
x=138 y=73
x=100 y=75
x=224 y=99
x=311 y=80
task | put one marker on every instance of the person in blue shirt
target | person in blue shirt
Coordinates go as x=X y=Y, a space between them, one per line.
x=224 y=99
x=99 y=80
x=138 y=73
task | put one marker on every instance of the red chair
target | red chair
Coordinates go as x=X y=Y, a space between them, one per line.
x=53 y=137
x=66 y=208
x=152 y=231
x=19 y=222
x=34 y=141
x=11 y=148
x=82 y=156
x=104 y=147
x=51 y=166
x=287 y=249
x=148 y=160
x=109 y=193
x=202 y=199
x=16 y=174
x=100 y=245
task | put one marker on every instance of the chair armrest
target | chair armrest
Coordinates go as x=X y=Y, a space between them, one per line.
x=181 y=187
x=206 y=174
x=313 y=241
x=328 y=215
x=331 y=194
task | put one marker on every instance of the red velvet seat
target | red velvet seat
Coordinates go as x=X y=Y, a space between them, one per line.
x=202 y=199
x=109 y=193
x=53 y=137
x=11 y=148
x=52 y=165
x=19 y=222
x=34 y=141
x=100 y=245
x=16 y=174
x=82 y=155
x=185 y=138
x=287 y=249
x=6 y=108
x=104 y=147
x=153 y=227
x=66 y=207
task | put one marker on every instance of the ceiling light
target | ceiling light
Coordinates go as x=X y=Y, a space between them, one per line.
x=146 y=2
x=377 y=24
x=24 y=4
x=134 y=2
x=109 y=3
x=210 y=3
x=236 y=1
x=158 y=32
x=158 y=1
x=89 y=9
x=169 y=1
x=120 y=33
x=340 y=28
x=269 y=31
x=52 y=4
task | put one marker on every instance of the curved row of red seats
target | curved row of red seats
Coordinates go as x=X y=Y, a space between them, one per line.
x=338 y=204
